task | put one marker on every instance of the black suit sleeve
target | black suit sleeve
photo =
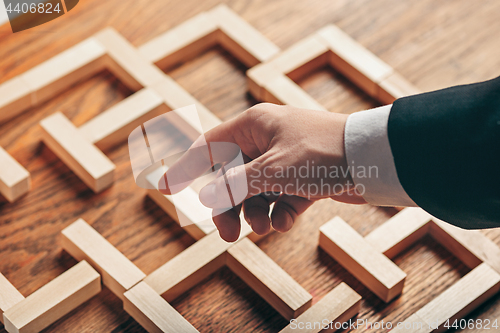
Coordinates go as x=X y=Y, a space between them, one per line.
x=446 y=148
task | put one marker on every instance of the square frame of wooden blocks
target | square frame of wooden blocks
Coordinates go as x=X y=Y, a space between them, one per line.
x=273 y=81
x=80 y=148
x=49 y=303
x=219 y=25
x=183 y=272
x=473 y=248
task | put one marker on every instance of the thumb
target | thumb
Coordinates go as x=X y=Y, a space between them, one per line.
x=234 y=187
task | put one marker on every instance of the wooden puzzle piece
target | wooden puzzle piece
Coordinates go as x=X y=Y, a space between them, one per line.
x=217 y=26
x=240 y=38
x=267 y=279
x=152 y=311
x=126 y=62
x=15 y=97
x=83 y=242
x=395 y=86
x=54 y=300
x=182 y=42
x=456 y=302
x=9 y=296
x=353 y=60
x=338 y=306
x=81 y=156
x=372 y=268
x=115 y=124
x=401 y=231
x=211 y=253
x=15 y=180
x=330 y=45
x=50 y=78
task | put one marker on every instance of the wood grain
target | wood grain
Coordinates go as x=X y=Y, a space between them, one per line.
x=431 y=44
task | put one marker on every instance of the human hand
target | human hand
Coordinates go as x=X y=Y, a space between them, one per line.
x=293 y=157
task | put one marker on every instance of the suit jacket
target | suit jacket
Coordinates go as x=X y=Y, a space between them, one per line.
x=446 y=149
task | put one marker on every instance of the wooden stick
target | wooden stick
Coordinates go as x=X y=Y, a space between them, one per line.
x=462 y=298
x=395 y=86
x=283 y=90
x=126 y=63
x=472 y=247
x=9 y=296
x=15 y=180
x=258 y=76
x=192 y=265
x=15 y=97
x=83 y=242
x=181 y=43
x=353 y=60
x=400 y=231
x=373 y=269
x=88 y=162
x=115 y=124
x=65 y=69
x=240 y=38
x=154 y=313
x=176 y=97
x=267 y=279
x=54 y=300
x=301 y=58
x=338 y=306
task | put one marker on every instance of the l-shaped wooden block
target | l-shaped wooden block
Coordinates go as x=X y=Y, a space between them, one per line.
x=15 y=181
x=273 y=80
x=51 y=302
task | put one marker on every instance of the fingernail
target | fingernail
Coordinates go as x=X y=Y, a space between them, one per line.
x=207 y=195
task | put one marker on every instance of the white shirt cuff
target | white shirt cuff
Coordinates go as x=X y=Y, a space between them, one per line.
x=370 y=160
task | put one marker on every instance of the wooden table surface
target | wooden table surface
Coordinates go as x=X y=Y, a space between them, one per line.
x=432 y=43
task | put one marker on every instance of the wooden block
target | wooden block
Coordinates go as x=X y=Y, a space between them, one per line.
x=240 y=38
x=191 y=266
x=258 y=76
x=282 y=89
x=15 y=97
x=9 y=296
x=400 y=231
x=267 y=279
x=81 y=156
x=54 y=300
x=176 y=97
x=353 y=60
x=83 y=242
x=338 y=306
x=373 y=269
x=472 y=247
x=154 y=313
x=181 y=43
x=115 y=124
x=301 y=58
x=395 y=86
x=15 y=180
x=462 y=298
x=60 y=72
x=126 y=63
x=196 y=230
